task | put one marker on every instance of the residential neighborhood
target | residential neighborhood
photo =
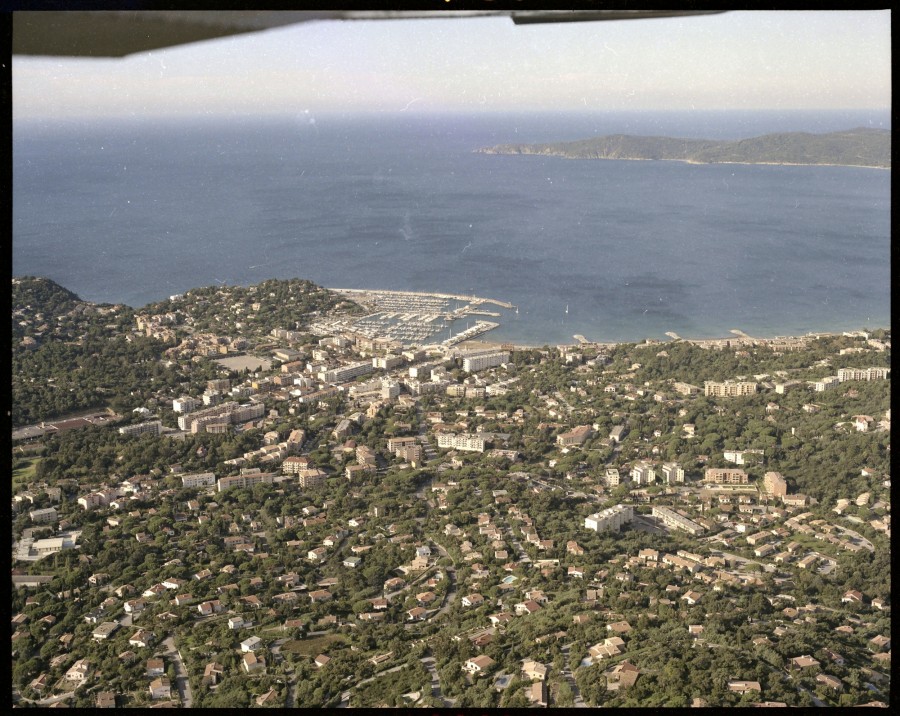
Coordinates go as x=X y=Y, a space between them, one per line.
x=332 y=519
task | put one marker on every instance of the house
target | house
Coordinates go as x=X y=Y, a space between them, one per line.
x=529 y=606
x=251 y=644
x=319 y=595
x=155 y=667
x=479 y=664
x=619 y=627
x=803 y=662
x=141 y=638
x=212 y=672
x=832 y=682
x=880 y=643
x=472 y=600
x=425 y=598
x=602 y=650
x=161 y=688
x=501 y=619
x=534 y=670
x=741 y=687
x=79 y=671
x=537 y=693
x=416 y=614
x=105 y=700
x=852 y=596
x=213 y=606
x=133 y=606
x=321 y=660
x=691 y=597
x=270 y=698
x=621 y=675
x=104 y=631
x=251 y=663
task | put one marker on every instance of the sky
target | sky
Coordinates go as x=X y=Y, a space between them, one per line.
x=736 y=60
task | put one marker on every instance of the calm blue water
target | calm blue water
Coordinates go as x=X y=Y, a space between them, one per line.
x=135 y=211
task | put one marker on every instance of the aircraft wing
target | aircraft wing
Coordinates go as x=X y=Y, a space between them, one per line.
x=120 y=33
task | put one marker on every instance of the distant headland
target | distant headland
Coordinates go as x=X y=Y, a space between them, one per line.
x=860 y=147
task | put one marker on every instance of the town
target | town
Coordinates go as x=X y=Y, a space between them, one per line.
x=240 y=497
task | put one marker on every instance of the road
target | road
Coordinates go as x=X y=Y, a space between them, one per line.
x=182 y=682
x=451 y=589
x=570 y=679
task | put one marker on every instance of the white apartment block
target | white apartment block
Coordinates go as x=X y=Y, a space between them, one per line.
x=151 y=426
x=185 y=404
x=226 y=483
x=199 y=479
x=610 y=519
x=686 y=388
x=826 y=383
x=346 y=372
x=47 y=514
x=487 y=360
x=643 y=473
x=466 y=442
x=728 y=388
x=388 y=362
x=672 y=519
x=672 y=472
x=226 y=413
x=612 y=477
x=863 y=374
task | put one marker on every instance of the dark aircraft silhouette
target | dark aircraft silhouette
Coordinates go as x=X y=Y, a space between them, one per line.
x=119 y=33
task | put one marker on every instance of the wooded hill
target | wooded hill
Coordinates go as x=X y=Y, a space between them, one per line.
x=862 y=147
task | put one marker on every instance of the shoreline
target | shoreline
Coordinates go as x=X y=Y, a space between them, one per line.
x=735 y=340
x=672 y=159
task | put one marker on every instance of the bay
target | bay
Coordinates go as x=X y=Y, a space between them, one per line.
x=135 y=210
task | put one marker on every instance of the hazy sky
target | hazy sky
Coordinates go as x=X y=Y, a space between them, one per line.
x=737 y=60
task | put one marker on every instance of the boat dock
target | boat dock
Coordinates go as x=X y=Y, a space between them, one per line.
x=413 y=317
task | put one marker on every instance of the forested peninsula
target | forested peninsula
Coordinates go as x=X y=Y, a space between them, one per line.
x=862 y=147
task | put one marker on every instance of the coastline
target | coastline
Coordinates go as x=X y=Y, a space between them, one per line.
x=682 y=161
x=739 y=338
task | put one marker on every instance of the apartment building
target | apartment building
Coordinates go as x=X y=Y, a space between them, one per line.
x=863 y=374
x=642 y=473
x=672 y=519
x=576 y=436
x=672 y=472
x=199 y=479
x=463 y=441
x=611 y=519
x=486 y=360
x=151 y=426
x=245 y=480
x=728 y=388
x=726 y=476
x=775 y=484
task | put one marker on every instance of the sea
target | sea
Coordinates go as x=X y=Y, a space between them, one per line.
x=136 y=210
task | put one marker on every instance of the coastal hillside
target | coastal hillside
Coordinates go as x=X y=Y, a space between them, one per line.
x=862 y=147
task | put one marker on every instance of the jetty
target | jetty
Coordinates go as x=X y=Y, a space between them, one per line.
x=413 y=317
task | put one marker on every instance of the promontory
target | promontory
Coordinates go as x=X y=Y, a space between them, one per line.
x=862 y=147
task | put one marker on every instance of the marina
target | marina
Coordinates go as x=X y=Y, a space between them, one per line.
x=414 y=318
